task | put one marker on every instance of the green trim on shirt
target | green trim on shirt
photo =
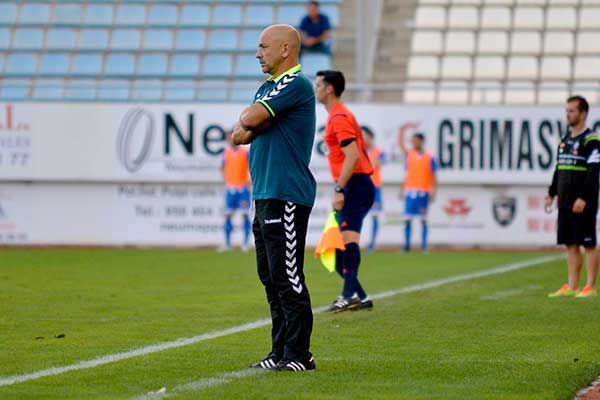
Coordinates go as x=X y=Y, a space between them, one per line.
x=571 y=168
x=264 y=103
x=288 y=72
x=590 y=139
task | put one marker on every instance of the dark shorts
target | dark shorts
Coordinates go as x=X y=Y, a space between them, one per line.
x=579 y=229
x=358 y=199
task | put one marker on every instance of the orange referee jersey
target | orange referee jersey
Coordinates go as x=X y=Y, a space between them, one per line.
x=235 y=167
x=374 y=155
x=341 y=126
x=420 y=171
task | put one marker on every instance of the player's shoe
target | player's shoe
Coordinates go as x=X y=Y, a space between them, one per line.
x=223 y=248
x=269 y=362
x=245 y=248
x=564 y=291
x=366 y=303
x=297 y=366
x=587 y=291
x=344 y=304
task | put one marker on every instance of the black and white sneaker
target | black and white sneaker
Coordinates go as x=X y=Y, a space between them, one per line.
x=343 y=304
x=270 y=362
x=296 y=366
x=366 y=303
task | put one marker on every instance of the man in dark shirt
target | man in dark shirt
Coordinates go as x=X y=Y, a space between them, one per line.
x=575 y=183
x=314 y=30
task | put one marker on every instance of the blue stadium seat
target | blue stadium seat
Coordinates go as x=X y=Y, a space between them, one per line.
x=113 y=90
x=163 y=15
x=249 y=39
x=8 y=13
x=227 y=15
x=26 y=38
x=54 y=64
x=21 y=64
x=216 y=65
x=48 y=89
x=4 y=39
x=152 y=64
x=131 y=14
x=259 y=15
x=87 y=64
x=119 y=64
x=222 y=39
x=146 y=90
x=81 y=90
x=34 y=14
x=311 y=63
x=128 y=39
x=178 y=91
x=1 y=62
x=99 y=14
x=188 y=39
x=14 y=89
x=184 y=65
x=213 y=90
x=67 y=14
x=60 y=38
x=93 y=39
x=333 y=13
x=158 y=39
x=291 y=15
x=247 y=66
x=243 y=91
x=194 y=15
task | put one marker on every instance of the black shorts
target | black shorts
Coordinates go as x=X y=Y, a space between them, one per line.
x=579 y=229
x=358 y=199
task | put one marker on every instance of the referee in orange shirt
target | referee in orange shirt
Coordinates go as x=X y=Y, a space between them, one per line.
x=354 y=190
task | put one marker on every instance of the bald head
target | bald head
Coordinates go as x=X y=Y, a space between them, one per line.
x=278 y=48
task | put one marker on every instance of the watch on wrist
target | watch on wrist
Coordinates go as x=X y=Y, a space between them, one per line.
x=338 y=189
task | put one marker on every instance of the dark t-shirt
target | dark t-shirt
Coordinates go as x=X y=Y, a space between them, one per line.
x=315 y=29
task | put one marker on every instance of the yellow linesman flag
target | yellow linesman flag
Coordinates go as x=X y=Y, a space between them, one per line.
x=330 y=241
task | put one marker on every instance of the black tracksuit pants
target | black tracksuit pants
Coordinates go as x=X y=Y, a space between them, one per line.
x=279 y=229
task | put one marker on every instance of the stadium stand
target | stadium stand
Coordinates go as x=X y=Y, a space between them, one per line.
x=503 y=51
x=116 y=50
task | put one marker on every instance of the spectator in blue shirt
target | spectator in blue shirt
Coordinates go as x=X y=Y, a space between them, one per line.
x=315 y=30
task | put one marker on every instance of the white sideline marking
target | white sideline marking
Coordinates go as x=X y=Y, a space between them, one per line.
x=503 y=294
x=155 y=348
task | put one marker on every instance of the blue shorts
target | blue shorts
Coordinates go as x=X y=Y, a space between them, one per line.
x=378 y=202
x=358 y=199
x=416 y=204
x=237 y=199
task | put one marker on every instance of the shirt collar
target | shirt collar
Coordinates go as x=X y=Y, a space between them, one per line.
x=288 y=72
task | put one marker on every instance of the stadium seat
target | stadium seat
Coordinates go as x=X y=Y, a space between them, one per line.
x=430 y=17
x=125 y=39
x=184 y=65
x=21 y=64
x=555 y=67
x=457 y=67
x=93 y=39
x=489 y=67
x=67 y=14
x=588 y=43
x=213 y=90
x=14 y=89
x=249 y=40
x=161 y=14
x=158 y=39
x=420 y=92
x=243 y=91
x=152 y=64
x=128 y=14
x=247 y=66
x=27 y=38
x=492 y=43
x=423 y=67
x=8 y=13
x=587 y=68
x=119 y=64
x=216 y=65
x=552 y=92
x=311 y=63
x=589 y=18
x=86 y=64
x=228 y=15
x=588 y=89
x=222 y=39
x=496 y=18
x=143 y=90
x=194 y=15
x=59 y=38
x=54 y=64
x=519 y=93
x=563 y=18
x=258 y=15
x=460 y=42
x=110 y=90
x=528 y=18
x=34 y=13
x=522 y=67
x=48 y=89
x=453 y=92
x=463 y=17
x=526 y=43
x=178 y=91
x=290 y=14
x=4 y=39
x=427 y=42
x=558 y=43
x=98 y=14
x=189 y=39
x=80 y=90
x=486 y=92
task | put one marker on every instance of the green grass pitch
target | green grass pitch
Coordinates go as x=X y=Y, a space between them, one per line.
x=495 y=337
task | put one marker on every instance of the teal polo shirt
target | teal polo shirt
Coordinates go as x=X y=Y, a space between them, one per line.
x=280 y=154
